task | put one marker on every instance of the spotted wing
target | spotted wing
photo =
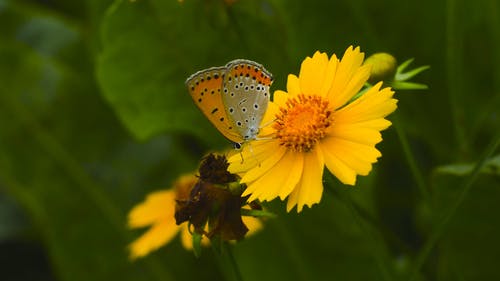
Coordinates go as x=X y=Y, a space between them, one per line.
x=246 y=95
x=205 y=88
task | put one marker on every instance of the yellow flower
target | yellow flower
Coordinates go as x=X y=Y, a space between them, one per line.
x=157 y=212
x=316 y=124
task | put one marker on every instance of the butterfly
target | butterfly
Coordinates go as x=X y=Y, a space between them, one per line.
x=233 y=97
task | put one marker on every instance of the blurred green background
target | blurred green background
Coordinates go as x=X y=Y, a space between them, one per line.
x=94 y=116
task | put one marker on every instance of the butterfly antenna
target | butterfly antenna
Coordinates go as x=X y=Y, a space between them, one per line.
x=268 y=123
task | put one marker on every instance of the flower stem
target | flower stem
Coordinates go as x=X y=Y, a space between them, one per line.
x=226 y=261
x=412 y=163
x=232 y=260
x=379 y=251
x=445 y=219
x=454 y=69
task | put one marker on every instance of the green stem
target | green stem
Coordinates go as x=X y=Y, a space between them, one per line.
x=379 y=252
x=226 y=260
x=410 y=159
x=445 y=219
x=232 y=261
x=454 y=70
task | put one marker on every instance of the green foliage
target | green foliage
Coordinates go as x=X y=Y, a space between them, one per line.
x=197 y=244
x=492 y=166
x=94 y=114
x=400 y=79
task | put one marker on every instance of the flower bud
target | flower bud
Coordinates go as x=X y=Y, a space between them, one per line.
x=383 y=67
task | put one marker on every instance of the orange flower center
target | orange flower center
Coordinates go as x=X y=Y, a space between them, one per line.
x=303 y=122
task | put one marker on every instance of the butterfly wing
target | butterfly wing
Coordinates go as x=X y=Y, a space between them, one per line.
x=205 y=88
x=245 y=94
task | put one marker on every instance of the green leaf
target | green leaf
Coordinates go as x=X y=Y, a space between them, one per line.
x=400 y=76
x=144 y=63
x=399 y=85
x=257 y=213
x=492 y=167
x=138 y=76
x=197 y=244
x=404 y=65
x=403 y=76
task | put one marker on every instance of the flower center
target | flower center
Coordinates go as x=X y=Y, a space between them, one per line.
x=303 y=122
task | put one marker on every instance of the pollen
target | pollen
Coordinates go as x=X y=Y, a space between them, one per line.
x=302 y=122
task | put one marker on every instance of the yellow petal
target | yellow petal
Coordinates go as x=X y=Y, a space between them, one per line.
x=254 y=225
x=158 y=206
x=292 y=86
x=268 y=163
x=356 y=156
x=157 y=236
x=310 y=187
x=277 y=181
x=346 y=70
x=338 y=168
x=373 y=104
x=266 y=129
x=374 y=124
x=367 y=152
x=312 y=73
x=329 y=75
x=186 y=237
x=280 y=98
x=252 y=153
x=294 y=174
x=355 y=83
x=266 y=187
x=356 y=133
x=266 y=132
x=272 y=109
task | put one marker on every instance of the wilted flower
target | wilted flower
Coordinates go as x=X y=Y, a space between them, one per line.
x=204 y=202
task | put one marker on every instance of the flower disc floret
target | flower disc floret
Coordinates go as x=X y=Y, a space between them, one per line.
x=303 y=122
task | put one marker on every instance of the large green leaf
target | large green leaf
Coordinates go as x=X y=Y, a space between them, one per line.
x=149 y=48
